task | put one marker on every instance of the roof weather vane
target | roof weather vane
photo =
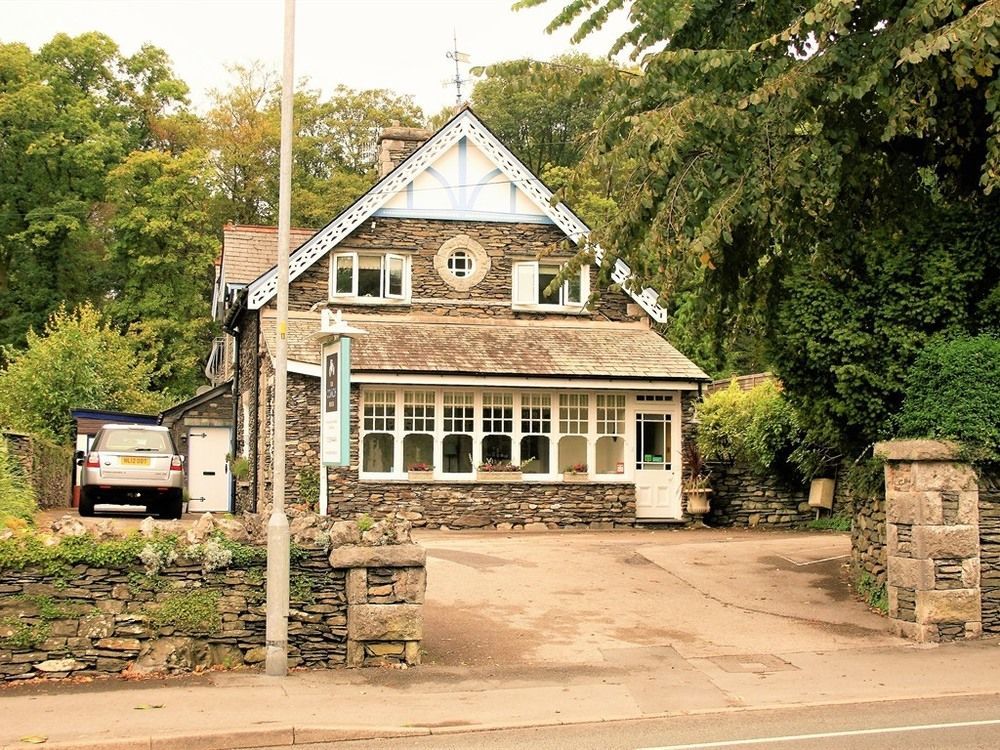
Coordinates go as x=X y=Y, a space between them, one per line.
x=458 y=57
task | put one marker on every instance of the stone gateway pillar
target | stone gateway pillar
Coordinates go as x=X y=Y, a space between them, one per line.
x=933 y=557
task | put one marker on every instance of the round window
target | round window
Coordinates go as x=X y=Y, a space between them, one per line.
x=461 y=264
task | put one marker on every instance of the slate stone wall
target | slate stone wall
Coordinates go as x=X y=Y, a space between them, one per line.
x=503 y=505
x=741 y=498
x=355 y=606
x=421 y=239
x=989 y=540
x=868 y=538
x=249 y=394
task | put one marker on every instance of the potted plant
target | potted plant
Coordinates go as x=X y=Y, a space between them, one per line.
x=240 y=468
x=492 y=470
x=696 y=481
x=576 y=473
x=420 y=472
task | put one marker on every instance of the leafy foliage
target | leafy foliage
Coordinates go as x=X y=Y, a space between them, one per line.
x=78 y=362
x=69 y=114
x=953 y=391
x=872 y=592
x=29 y=550
x=542 y=110
x=849 y=324
x=17 y=497
x=757 y=428
x=161 y=252
x=334 y=145
x=195 y=611
x=830 y=523
x=803 y=156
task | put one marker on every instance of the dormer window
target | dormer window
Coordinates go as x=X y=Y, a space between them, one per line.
x=532 y=280
x=368 y=276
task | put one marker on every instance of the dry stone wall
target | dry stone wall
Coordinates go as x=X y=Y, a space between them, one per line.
x=989 y=540
x=358 y=604
x=742 y=498
x=868 y=538
x=422 y=238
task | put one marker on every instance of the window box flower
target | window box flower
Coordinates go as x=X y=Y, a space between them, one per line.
x=576 y=473
x=498 y=471
x=420 y=472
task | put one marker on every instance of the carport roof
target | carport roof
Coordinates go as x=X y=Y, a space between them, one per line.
x=539 y=348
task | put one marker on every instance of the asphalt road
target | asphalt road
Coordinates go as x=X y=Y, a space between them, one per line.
x=954 y=723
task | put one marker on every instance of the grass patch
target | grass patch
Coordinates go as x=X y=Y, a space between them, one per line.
x=830 y=523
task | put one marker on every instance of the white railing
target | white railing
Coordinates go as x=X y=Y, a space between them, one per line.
x=215 y=369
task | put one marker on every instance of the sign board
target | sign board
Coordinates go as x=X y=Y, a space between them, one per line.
x=335 y=416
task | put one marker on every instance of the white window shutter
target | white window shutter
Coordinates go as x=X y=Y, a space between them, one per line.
x=525 y=283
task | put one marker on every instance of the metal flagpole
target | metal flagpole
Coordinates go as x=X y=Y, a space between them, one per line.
x=276 y=663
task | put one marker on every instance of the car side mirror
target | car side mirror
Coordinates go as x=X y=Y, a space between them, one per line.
x=80 y=455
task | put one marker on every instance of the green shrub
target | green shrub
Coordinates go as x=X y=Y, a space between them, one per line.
x=17 y=497
x=872 y=592
x=757 y=428
x=953 y=392
x=194 y=611
x=309 y=488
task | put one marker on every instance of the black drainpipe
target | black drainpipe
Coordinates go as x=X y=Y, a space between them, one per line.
x=233 y=445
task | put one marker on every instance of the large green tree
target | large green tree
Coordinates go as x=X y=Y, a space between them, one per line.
x=78 y=361
x=68 y=114
x=788 y=160
x=334 y=145
x=541 y=110
x=161 y=247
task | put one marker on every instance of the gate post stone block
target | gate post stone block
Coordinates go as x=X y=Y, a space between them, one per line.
x=385 y=588
x=933 y=541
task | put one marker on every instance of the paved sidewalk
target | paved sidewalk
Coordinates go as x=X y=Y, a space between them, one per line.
x=232 y=710
x=528 y=630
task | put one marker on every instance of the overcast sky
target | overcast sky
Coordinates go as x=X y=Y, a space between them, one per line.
x=394 y=44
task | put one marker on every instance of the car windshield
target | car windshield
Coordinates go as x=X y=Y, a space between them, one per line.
x=135 y=440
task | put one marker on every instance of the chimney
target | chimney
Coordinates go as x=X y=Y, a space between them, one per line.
x=395 y=143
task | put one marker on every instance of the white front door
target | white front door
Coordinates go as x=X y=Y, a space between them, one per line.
x=657 y=464
x=207 y=470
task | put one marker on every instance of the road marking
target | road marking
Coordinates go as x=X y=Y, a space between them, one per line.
x=812 y=562
x=827 y=735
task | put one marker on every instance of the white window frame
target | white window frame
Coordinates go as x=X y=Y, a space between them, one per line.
x=520 y=400
x=385 y=265
x=525 y=293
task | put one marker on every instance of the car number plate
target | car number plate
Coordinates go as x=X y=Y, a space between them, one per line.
x=134 y=461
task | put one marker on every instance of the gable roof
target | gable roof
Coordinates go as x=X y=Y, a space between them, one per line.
x=465 y=124
x=172 y=413
x=489 y=347
x=248 y=250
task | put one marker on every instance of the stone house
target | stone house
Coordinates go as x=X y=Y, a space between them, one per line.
x=477 y=346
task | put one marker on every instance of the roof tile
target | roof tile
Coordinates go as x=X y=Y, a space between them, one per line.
x=493 y=348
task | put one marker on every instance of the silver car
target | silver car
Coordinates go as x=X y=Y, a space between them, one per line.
x=133 y=465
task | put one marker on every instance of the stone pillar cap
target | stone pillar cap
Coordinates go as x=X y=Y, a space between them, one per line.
x=917 y=450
